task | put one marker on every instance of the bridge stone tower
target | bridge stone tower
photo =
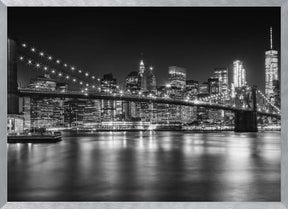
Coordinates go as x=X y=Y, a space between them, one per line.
x=246 y=121
x=13 y=99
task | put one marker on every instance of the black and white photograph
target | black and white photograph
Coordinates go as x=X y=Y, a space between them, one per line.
x=143 y=104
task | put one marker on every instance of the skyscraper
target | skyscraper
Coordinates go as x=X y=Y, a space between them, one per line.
x=133 y=82
x=214 y=85
x=142 y=77
x=271 y=70
x=177 y=77
x=239 y=74
x=192 y=88
x=108 y=107
x=141 y=67
x=222 y=75
x=108 y=83
x=150 y=80
x=147 y=78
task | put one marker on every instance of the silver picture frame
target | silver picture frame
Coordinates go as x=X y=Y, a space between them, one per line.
x=4 y=4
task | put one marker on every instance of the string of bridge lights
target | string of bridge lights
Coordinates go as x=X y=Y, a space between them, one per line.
x=267 y=100
x=56 y=61
x=54 y=72
x=216 y=96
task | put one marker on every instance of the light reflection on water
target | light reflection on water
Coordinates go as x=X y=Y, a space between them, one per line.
x=148 y=166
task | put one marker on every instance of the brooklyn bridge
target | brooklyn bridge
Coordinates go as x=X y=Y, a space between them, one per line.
x=246 y=114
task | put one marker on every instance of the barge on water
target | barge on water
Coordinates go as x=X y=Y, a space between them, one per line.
x=46 y=137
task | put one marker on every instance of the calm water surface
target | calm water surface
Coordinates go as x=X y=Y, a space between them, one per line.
x=158 y=166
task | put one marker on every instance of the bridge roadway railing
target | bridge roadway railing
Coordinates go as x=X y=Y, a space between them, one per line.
x=133 y=98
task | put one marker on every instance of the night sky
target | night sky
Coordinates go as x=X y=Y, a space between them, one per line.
x=103 y=40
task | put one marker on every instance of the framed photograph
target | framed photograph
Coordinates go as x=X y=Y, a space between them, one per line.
x=143 y=104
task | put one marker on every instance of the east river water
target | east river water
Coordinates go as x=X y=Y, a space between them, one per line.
x=147 y=166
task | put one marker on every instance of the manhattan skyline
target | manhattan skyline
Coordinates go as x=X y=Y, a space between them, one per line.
x=198 y=39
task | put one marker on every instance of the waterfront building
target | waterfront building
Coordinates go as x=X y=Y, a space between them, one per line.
x=167 y=113
x=272 y=86
x=26 y=111
x=202 y=115
x=132 y=111
x=92 y=113
x=119 y=114
x=188 y=114
x=43 y=112
x=175 y=115
x=74 y=110
x=162 y=113
x=15 y=124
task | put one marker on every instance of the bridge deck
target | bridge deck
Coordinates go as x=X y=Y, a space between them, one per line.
x=131 y=98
